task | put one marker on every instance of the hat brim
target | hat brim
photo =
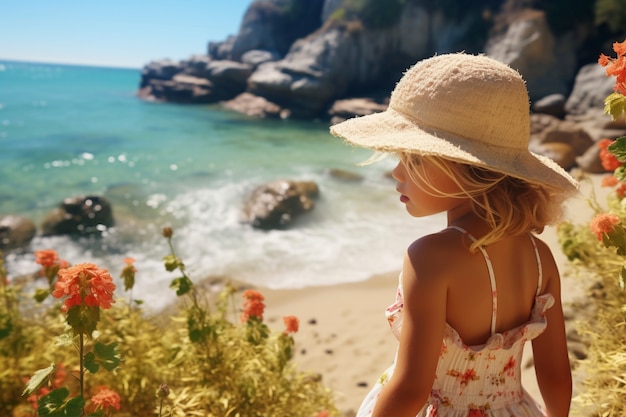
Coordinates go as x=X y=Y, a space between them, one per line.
x=390 y=131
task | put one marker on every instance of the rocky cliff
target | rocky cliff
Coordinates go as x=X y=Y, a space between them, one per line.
x=303 y=58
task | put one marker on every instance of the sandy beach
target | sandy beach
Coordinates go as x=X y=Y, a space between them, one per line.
x=344 y=335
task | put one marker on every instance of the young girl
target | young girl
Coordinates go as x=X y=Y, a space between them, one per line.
x=471 y=295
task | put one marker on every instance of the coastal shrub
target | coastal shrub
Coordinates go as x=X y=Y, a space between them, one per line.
x=74 y=350
x=599 y=250
x=370 y=14
x=611 y=12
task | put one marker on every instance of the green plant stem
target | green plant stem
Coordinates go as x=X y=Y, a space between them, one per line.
x=193 y=293
x=81 y=380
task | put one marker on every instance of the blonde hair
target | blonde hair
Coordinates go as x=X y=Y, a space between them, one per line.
x=510 y=206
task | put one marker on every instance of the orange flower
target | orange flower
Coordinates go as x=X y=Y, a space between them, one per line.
x=620 y=190
x=253 y=305
x=106 y=398
x=616 y=66
x=253 y=295
x=620 y=48
x=609 y=181
x=291 y=323
x=128 y=273
x=84 y=284
x=609 y=161
x=603 y=223
x=604 y=60
x=46 y=257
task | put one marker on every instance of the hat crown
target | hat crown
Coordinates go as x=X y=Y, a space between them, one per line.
x=467 y=96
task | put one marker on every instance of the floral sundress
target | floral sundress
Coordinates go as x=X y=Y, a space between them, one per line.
x=476 y=381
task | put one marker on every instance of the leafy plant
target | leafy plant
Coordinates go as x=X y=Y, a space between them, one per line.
x=611 y=12
x=600 y=249
x=210 y=359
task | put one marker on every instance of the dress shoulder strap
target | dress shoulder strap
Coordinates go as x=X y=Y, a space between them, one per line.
x=492 y=278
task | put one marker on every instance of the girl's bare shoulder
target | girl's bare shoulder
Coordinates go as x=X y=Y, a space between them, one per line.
x=436 y=253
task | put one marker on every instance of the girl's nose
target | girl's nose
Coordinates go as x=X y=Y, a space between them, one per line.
x=397 y=172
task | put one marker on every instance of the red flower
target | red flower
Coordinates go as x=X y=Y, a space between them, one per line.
x=60 y=375
x=608 y=160
x=253 y=305
x=291 y=323
x=106 y=398
x=603 y=223
x=84 y=284
x=510 y=366
x=469 y=375
x=465 y=377
x=46 y=257
x=33 y=399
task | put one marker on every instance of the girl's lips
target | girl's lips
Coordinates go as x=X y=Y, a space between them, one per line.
x=403 y=198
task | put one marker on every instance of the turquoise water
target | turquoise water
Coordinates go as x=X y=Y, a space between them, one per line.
x=69 y=130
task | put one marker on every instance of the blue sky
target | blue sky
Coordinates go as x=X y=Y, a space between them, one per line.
x=121 y=33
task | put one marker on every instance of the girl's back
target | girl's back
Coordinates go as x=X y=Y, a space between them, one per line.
x=469 y=303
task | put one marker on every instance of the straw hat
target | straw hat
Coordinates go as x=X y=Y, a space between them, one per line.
x=467 y=108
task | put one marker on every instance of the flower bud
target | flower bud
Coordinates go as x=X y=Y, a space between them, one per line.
x=167 y=232
x=164 y=391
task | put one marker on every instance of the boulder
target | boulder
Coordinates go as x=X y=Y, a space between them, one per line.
x=164 y=69
x=569 y=133
x=256 y=57
x=590 y=161
x=346 y=176
x=275 y=205
x=528 y=45
x=228 y=75
x=553 y=104
x=591 y=86
x=181 y=89
x=561 y=153
x=361 y=106
x=344 y=57
x=201 y=80
x=273 y=25
x=196 y=66
x=221 y=50
x=91 y=215
x=16 y=232
x=255 y=106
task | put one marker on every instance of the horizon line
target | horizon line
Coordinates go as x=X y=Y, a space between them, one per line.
x=70 y=64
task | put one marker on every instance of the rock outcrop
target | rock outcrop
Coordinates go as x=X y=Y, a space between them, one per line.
x=15 y=232
x=277 y=204
x=79 y=216
x=296 y=58
x=303 y=67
